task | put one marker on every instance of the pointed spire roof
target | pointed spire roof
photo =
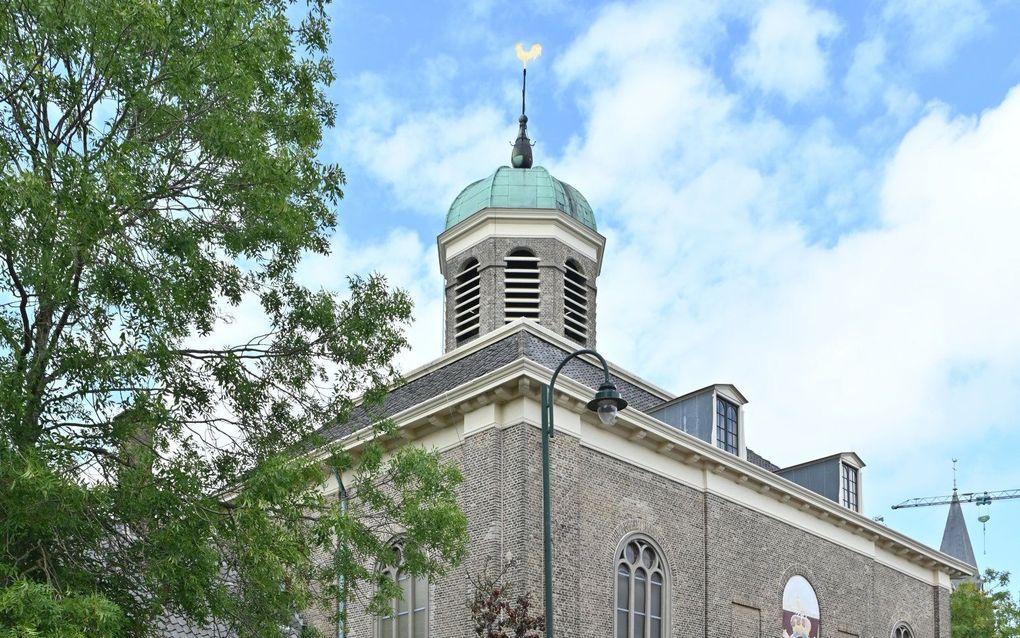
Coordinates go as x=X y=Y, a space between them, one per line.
x=955 y=539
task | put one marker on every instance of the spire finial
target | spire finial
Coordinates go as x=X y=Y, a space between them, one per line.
x=954 y=475
x=521 y=156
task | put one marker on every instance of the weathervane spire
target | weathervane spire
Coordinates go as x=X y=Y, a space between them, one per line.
x=521 y=156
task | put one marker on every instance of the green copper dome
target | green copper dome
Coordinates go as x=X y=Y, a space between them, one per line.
x=520 y=188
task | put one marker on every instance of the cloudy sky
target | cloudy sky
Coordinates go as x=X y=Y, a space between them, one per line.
x=818 y=202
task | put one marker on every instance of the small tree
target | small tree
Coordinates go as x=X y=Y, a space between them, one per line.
x=496 y=613
x=986 y=611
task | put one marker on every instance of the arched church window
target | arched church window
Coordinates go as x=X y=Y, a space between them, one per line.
x=641 y=590
x=902 y=630
x=466 y=295
x=575 y=302
x=409 y=615
x=801 y=618
x=521 y=285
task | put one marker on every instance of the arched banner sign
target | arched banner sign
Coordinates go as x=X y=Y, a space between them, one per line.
x=800 y=609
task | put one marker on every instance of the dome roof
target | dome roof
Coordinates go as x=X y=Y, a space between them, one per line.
x=520 y=188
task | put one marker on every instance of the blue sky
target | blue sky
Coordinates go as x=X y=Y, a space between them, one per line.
x=818 y=202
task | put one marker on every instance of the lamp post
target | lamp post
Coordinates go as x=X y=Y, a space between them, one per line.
x=606 y=403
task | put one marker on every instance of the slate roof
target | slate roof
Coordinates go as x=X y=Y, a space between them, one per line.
x=761 y=461
x=177 y=627
x=517 y=345
x=955 y=538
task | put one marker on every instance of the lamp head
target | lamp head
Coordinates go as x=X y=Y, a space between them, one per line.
x=607 y=403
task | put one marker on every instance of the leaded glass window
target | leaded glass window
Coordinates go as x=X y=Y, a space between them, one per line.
x=902 y=630
x=409 y=615
x=640 y=591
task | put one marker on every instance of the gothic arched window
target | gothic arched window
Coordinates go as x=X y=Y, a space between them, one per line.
x=409 y=615
x=575 y=302
x=521 y=287
x=902 y=630
x=466 y=295
x=642 y=583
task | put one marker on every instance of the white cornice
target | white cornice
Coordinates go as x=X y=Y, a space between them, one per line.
x=523 y=377
x=517 y=222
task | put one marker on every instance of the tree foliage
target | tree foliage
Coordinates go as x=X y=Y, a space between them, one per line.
x=985 y=611
x=160 y=178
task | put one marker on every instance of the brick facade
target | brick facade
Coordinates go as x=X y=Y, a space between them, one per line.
x=728 y=564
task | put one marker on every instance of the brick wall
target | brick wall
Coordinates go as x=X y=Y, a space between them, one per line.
x=728 y=564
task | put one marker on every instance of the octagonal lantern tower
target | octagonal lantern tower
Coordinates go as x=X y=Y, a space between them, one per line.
x=520 y=244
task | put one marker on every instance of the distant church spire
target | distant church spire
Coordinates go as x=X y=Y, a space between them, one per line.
x=520 y=156
x=955 y=538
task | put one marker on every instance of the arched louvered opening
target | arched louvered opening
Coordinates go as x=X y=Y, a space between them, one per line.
x=575 y=303
x=466 y=295
x=521 y=285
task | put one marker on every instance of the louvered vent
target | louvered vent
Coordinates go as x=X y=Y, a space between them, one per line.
x=575 y=303
x=521 y=285
x=466 y=297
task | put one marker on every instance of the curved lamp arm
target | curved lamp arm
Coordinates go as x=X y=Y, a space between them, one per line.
x=606 y=396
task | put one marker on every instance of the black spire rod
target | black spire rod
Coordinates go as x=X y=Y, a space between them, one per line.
x=520 y=156
x=524 y=89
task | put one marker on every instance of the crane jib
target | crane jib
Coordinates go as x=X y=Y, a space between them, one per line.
x=979 y=498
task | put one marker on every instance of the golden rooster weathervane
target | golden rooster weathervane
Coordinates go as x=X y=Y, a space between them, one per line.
x=521 y=156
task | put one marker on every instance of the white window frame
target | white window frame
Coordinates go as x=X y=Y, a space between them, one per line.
x=660 y=567
x=414 y=611
x=843 y=464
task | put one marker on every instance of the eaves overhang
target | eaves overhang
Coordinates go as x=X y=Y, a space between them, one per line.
x=499 y=221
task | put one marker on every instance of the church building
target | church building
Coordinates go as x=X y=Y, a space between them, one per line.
x=663 y=523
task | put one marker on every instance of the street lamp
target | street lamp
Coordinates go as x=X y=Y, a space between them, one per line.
x=606 y=403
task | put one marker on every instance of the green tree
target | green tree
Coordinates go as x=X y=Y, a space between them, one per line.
x=986 y=611
x=159 y=172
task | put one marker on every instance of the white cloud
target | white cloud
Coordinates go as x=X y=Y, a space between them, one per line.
x=423 y=155
x=865 y=78
x=934 y=29
x=786 y=52
x=881 y=337
x=858 y=345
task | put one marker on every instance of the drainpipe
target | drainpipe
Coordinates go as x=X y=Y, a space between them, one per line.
x=341 y=601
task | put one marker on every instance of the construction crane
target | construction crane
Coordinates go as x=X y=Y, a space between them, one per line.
x=978 y=498
x=958 y=544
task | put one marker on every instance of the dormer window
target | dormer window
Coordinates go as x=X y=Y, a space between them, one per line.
x=521 y=285
x=849 y=487
x=726 y=434
x=575 y=303
x=466 y=302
